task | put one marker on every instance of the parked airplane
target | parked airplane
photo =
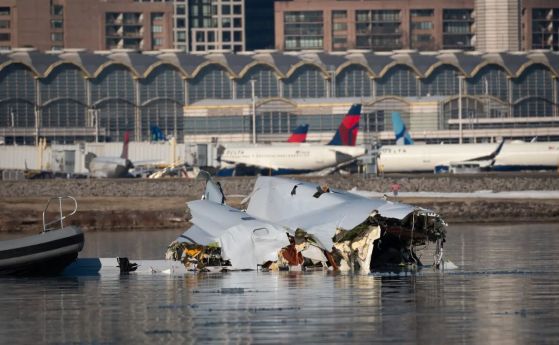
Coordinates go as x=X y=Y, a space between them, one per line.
x=509 y=156
x=298 y=158
x=110 y=166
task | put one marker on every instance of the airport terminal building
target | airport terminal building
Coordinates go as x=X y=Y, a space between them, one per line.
x=75 y=95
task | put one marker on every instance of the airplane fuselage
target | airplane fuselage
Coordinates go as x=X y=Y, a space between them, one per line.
x=111 y=167
x=302 y=157
x=424 y=158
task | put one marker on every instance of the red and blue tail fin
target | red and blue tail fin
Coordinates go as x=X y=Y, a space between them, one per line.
x=124 y=153
x=347 y=132
x=299 y=134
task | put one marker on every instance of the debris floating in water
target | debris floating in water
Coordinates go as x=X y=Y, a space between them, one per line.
x=294 y=225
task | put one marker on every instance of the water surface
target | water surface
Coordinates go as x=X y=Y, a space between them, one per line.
x=506 y=291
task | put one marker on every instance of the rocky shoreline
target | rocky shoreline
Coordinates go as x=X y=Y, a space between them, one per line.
x=133 y=204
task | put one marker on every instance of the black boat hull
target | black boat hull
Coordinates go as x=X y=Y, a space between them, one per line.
x=44 y=254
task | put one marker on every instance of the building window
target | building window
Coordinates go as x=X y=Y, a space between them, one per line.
x=4 y=36
x=457 y=28
x=339 y=14
x=303 y=30
x=4 y=24
x=57 y=36
x=157 y=16
x=181 y=10
x=237 y=9
x=378 y=29
x=157 y=28
x=181 y=23
x=57 y=47
x=157 y=42
x=237 y=23
x=226 y=22
x=4 y=11
x=422 y=26
x=545 y=28
x=181 y=36
x=57 y=10
x=340 y=26
x=226 y=36
x=225 y=9
x=57 y=24
x=423 y=13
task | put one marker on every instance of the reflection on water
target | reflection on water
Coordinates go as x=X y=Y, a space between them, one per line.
x=505 y=291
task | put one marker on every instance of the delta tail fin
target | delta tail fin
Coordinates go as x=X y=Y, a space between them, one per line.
x=402 y=135
x=124 y=153
x=347 y=132
x=299 y=134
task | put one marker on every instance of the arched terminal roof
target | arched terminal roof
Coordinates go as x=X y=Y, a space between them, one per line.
x=284 y=64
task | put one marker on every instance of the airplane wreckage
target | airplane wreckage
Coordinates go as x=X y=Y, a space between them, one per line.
x=294 y=225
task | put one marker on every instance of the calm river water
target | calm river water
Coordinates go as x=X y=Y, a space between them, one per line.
x=505 y=291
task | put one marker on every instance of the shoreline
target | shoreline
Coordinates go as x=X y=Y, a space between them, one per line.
x=144 y=204
x=153 y=213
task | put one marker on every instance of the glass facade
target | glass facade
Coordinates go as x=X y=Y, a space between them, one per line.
x=443 y=81
x=66 y=100
x=399 y=80
x=306 y=82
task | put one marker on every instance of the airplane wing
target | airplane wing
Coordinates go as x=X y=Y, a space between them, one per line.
x=482 y=162
x=491 y=156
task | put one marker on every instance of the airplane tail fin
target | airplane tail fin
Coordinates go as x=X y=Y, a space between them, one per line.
x=157 y=134
x=124 y=153
x=299 y=134
x=212 y=191
x=402 y=135
x=347 y=132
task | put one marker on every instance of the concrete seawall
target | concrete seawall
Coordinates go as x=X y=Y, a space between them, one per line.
x=243 y=185
x=127 y=204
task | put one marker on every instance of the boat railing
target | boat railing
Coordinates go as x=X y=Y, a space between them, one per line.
x=47 y=226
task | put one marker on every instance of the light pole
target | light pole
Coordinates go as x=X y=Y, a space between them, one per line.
x=96 y=123
x=12 y=115
x=252 y=82
x=460 y=79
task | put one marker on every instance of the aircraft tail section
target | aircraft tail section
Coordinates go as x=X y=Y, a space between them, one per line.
x=157 y=134
x=299 y=134
x=402 y=135
x=347 y=132
x=124 y=153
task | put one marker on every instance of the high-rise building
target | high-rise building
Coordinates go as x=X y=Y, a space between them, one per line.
x=486 y=25
x=91 y=24
x=259 y=32
x=217 y=25
x=197 y=25
x=381 y=26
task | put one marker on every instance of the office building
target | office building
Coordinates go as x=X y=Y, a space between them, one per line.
x=189 y=25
